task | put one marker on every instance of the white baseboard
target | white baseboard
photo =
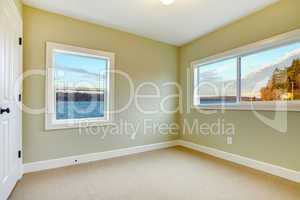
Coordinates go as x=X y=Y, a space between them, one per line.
x=74 y=160
x=258 y=165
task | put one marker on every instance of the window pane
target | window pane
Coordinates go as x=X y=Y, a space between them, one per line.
x=216 y=83
x=271 y=75
x=80 y=86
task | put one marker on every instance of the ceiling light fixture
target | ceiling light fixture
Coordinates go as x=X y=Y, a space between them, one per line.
x=167 y=2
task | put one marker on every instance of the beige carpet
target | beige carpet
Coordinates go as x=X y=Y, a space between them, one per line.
x=175 y=174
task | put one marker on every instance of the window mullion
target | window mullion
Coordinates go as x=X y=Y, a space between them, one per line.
x=198 y=86
x=238 y=96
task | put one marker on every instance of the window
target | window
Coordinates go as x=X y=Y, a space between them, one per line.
x=265 y=74
x=79 y=86
x=216 y=83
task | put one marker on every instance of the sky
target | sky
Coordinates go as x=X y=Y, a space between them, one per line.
x=256 y=61
x=79 y=71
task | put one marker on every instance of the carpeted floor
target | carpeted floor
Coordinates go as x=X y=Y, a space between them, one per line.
x=169 y=174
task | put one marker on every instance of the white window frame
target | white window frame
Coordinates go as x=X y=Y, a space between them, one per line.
x=50 y=109
x=273 y=42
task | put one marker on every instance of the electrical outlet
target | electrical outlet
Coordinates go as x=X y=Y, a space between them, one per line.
x=229 y=140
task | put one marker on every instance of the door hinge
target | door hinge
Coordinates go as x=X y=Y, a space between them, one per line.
x=20 y=97
x=19 y=154
x=20 y=41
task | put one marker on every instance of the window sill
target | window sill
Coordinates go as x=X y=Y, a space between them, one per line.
x=77 y=124
x=253 y=106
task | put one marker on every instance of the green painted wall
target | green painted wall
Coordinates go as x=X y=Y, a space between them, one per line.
x=252 y=138
x=143 y=59
x=147 y=60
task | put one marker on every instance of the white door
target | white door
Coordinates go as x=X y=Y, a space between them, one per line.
x=10 y=112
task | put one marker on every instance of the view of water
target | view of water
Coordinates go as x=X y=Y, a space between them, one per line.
x=79 y=109
x=217 y=100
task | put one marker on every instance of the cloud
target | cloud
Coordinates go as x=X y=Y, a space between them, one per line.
x=80 y=71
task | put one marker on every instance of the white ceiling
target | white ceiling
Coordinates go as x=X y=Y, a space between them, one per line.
x=176 y=24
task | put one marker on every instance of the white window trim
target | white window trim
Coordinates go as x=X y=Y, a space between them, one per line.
x=276 y=41
x=50 y=116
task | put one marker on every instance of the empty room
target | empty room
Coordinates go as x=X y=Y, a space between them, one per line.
x=149 y=99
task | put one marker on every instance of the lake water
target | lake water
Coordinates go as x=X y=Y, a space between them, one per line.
x=216 y=101
x=79 y=109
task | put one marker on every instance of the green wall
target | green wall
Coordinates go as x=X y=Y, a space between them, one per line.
x=148 y=60
x=143 y=59
x=252 y=138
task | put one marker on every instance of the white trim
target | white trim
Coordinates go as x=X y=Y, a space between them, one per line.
x=18 y=16
x=289 y=174
x=50 y=121
x=68 y=161
x=276 y=41
x=265 y=106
